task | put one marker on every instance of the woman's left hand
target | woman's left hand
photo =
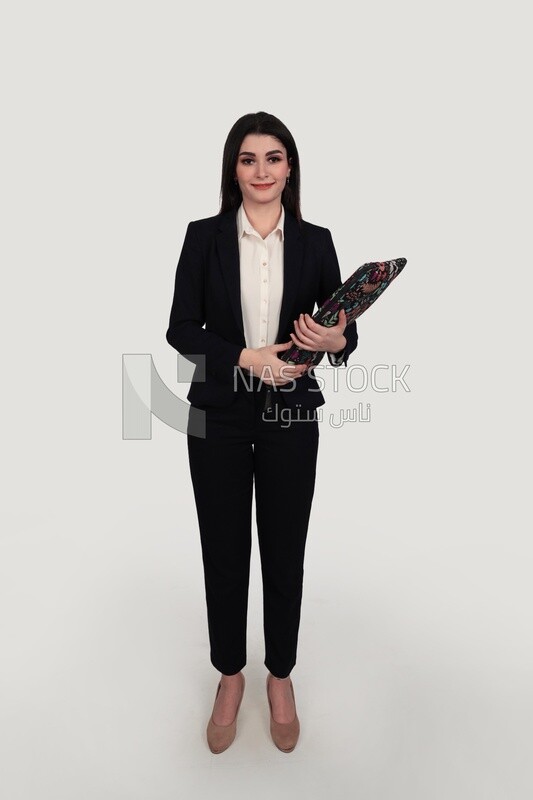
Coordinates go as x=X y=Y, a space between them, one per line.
x=310 y=335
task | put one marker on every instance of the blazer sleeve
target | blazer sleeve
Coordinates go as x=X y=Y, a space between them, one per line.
x=187 y=316
x=330 y=279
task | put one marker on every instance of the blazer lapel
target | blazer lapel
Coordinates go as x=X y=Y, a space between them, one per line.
x=292 y=268
x=228 y=252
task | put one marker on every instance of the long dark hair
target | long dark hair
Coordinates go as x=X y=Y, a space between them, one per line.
x=262 y=123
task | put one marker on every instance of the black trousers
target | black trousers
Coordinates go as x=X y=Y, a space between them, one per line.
x=278 y=452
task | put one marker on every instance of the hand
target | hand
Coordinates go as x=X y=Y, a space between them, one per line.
x=264 y=364
x=310 y=335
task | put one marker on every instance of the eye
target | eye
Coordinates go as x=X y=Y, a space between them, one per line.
x=275 y=158
x=246 y=160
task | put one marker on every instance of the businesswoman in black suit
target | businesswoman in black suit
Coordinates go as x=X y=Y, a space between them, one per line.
x=246 y=285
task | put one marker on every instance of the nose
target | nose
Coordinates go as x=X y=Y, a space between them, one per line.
x=261 y=168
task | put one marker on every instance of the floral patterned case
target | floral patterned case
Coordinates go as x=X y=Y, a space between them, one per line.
x=355 y=295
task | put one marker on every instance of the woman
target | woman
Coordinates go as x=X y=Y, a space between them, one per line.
x=253 y=274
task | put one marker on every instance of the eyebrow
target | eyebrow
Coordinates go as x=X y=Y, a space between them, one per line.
x=270 y=152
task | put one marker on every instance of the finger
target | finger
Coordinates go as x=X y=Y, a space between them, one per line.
x=311 y=342
x=300 y=344
x=281 y=381
x=293 y=373
x=305 y=334
x=298 y=327
x=289 y=369
x=303 y=323
x=342 y=319
x=311 y=324
x=313 y=336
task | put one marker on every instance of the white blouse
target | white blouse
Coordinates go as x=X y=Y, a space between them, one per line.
x=261 y=272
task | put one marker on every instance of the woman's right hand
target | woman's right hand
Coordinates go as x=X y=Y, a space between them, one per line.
x=264 y=364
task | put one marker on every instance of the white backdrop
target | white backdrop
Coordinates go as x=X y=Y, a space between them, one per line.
x=414 y=665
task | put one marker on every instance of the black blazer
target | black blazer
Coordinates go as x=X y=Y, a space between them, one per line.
x=207 y=292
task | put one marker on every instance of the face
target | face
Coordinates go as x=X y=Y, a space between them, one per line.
x=262 y=169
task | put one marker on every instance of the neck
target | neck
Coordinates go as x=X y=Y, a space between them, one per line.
x=263 y=215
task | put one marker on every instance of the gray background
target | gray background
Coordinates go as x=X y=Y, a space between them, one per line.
x=414 y=667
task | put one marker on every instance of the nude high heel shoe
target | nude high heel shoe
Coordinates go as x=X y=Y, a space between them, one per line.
x=284 y=734
x=219 y=737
